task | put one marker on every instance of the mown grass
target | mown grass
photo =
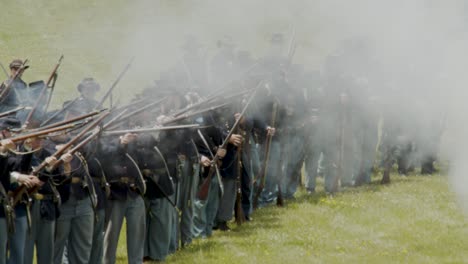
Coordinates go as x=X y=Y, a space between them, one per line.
x=413 y=220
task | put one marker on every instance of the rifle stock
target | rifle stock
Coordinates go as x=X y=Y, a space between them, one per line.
x=263 y=171
x=22 y=137
x=203 y=191
x=240 y=217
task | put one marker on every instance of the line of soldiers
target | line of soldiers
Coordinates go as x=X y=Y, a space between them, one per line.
x=265 y=120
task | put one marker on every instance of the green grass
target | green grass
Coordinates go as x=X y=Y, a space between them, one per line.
x=413 y=220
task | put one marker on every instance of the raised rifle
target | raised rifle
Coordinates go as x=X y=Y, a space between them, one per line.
x=4 y=70
x=71 y=120
x=207 y=100
x=6 y=86
x=114 y=84
x=18 y=193
x=204 y=188
x=39 y=133
x=240 y=216
x=7 y=113
x=65 y=108
x=49 y=84
x=185 y=116
x=147 y=130
x=134 y=113
x=261 y=179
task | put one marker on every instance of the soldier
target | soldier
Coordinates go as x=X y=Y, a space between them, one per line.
x=228 y=171
x=157 y=170
x=11 y=98
x=208 y=143
x=223 y=65
x=74 y=227
x=13 y=222
x=101 y=186
x=125 y=201
x=86 y=103
x=193 y=65
x=44 y=211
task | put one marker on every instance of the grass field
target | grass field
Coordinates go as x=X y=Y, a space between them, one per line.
x=413 y=220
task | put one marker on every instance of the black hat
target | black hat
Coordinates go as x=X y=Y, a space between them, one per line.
x=16 y=63
x=9 y=123
x=88 y=83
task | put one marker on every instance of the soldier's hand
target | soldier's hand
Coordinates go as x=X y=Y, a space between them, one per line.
x=270 y=131
x=221 y=152
x=6 y=144
x=66 y=158
x=162 y=119
x=205 y=161
x=127 y=138
x=29 y=180
x=51 y=161
x=235 y=139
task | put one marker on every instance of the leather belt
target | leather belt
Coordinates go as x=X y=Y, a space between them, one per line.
x=126 y=180
x=42 y=197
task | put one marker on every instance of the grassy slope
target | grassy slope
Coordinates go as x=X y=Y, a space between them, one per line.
x=413 y=220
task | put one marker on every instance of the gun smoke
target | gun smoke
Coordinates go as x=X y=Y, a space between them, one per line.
x=407 y=57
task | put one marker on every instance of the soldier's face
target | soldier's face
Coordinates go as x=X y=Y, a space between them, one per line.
x=88 y=93
x=14 y=71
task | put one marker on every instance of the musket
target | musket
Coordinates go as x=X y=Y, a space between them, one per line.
x=6 y=87
x=119 y=115
x=74 y=119
x=292 y=46
x=148 y=130
x=185 y=116
x=240 y=216
x=4 y=70
x=114 y=84
x=79 y=146
x=130 y=105
x=135 y=112
x=52 y=86
x=205 y=142
x=65 y=108
x=17 y=194
x=22 y=137
x=207 y=100
x=262 y=174
x=204 y=189
x=52 y=76
x=7 y=113
x=238 y=77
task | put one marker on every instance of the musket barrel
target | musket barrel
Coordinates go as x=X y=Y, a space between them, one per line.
x=148 y=130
